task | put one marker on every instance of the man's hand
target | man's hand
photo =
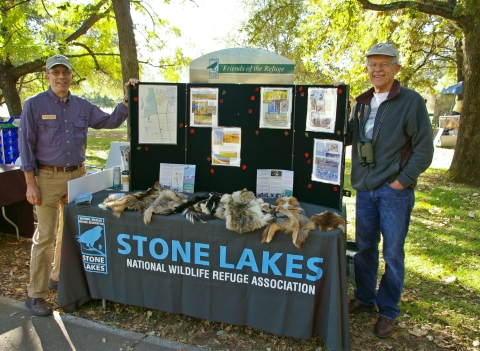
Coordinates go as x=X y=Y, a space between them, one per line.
x=131 y=81
x=34 y=195
x=397 y=185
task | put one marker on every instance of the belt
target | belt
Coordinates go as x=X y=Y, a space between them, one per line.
x=63 y=169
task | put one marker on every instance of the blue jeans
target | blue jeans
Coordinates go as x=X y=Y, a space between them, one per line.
x=384 y=210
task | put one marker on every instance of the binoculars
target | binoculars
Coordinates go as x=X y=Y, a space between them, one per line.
x=365 y=152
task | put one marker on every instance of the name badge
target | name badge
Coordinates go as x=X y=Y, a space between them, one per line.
x=49 y=116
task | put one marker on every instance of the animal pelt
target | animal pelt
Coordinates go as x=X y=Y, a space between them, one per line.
x=165 y=203
x=207 y=207
x=290 y=218
x=328 y=221
x=136 y=201
x=243 y=211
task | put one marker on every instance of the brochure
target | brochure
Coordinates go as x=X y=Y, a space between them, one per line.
x=178 y=177
x=274 y=183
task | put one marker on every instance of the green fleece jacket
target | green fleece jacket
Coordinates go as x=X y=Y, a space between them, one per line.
x=402 y=142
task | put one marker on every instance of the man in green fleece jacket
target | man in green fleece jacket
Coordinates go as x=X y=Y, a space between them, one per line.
x=392 y=144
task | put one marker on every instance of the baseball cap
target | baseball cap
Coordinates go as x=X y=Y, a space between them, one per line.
x=383 y=49
x=58 y=60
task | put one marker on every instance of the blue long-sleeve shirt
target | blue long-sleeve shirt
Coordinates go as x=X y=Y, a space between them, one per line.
x=53 y=131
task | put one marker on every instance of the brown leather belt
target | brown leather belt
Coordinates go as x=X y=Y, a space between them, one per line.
x=62 y=169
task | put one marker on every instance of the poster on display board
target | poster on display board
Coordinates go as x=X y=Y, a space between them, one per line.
x=226 y=146
x=276 y=108
x=157 y=114
x=328 y=161
x=322 y=110
x=204 y=107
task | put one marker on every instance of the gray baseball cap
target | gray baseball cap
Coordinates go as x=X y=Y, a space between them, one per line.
x=383 y=49
x=58 y=60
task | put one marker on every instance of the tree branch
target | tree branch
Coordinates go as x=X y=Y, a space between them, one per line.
x=431 y=7
x=90 y=21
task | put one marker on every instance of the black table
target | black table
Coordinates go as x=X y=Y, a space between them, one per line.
x=204 y=270
x=13 y=202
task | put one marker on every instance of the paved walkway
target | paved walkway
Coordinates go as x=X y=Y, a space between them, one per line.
x=21 y=331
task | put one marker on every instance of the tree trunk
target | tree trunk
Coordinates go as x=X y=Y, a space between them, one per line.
x=459 y=60
x=127 y=44
x=8 y=84
x=464 y=168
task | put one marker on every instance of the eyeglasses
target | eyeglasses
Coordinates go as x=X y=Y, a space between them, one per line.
x=57 y=73
x=375 y=65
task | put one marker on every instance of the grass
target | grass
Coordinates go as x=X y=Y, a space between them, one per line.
x=440 y=303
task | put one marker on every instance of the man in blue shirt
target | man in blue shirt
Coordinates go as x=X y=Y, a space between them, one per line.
x=52 y=142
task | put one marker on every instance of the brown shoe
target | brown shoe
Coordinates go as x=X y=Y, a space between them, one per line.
x=384 y=327
x=355 y=306
x=38 y=306
x=53 y=284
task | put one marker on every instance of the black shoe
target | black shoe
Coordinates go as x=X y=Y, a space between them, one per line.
x=53 y=284
x=38 y=306
x=355 y=306
x=384 y=327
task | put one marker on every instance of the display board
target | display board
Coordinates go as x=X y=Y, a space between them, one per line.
x=242 y=106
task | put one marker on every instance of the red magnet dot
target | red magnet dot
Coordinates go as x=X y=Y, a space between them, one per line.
x=339 y=132
x=221 y=101
x=306 y=154
x=335 y=188
x=209 y=159
x=309 y=161
x=309 y=186
x=135 y=99
x=244 y=167
x=212 y=171
x=257 y=89
x=146 y=148
x=250 y=111
x=286 y=133
x=181 y=125
x=340 y=91
x=302 y=94
x=252 y=98
x=192 y=131
x=300 y=88
x=257 y=132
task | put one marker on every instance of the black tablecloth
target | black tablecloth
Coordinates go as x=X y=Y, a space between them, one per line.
x=13 y=189
x=206 y=271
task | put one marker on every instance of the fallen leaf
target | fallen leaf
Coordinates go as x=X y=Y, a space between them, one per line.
x=476 y=342
x=450 y=280
x=417 y=331
x=471 y=214
x=104 y=340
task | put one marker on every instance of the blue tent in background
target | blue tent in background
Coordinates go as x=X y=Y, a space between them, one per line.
x=455 y=89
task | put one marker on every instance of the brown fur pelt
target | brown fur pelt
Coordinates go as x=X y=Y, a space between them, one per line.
x=153 y=200
x=137 y=201
x=328 y=221
x=165 y=203
x=290 y=218
x=243 y=211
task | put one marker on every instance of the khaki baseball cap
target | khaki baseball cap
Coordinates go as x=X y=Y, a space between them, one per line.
x=58 y=60
x=383 y=49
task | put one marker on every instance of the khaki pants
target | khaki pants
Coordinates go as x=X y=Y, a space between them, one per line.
x=53 y=188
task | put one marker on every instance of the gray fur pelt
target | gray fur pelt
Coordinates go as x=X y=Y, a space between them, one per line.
x=243 y=211
x=164 y=204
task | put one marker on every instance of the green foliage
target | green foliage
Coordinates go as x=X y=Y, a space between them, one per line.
x=328 y=40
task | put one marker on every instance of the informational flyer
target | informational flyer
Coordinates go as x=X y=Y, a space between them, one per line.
x=274 y=183
x=204 y=107
x=157 y=114
x=276 y=108
x=178 y=177
x=328 y=161
x=322 y=110
x=226 y=146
